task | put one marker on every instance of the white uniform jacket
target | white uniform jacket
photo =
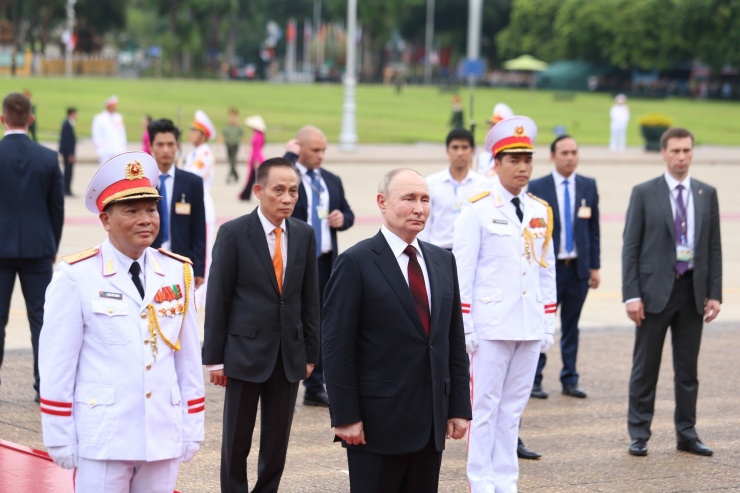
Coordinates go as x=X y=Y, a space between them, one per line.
x=108 y=134
x=102 y=388
x=506 y=293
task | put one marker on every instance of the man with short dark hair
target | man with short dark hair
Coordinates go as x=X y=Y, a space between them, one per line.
x=671 y=277
x=577 y=244
x=31 y=218
x=181 y=211
x=67 y=146
x=262 y=325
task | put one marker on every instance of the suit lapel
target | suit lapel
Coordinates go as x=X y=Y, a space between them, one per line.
x=257 y=236
x=552 y=200
x=176 y=193
x=331 y=189
x=388 y=266
x=663 y=197
x=293 y=242
x=697 y=194
x=435 y=284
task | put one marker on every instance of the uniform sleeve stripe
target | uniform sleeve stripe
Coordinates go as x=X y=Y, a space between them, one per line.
x=199 y=400
x=551 y=305
x=194 y=410
x=55 y=412
x=55 y=403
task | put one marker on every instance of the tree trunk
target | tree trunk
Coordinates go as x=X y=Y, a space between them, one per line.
x=175 y=55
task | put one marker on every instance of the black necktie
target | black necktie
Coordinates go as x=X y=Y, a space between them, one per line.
x=135 y=270
x=519 y=212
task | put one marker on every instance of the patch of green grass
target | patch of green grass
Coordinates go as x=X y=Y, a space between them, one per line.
x=416 y=114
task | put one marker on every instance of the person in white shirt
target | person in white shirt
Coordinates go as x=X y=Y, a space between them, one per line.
x=620 y=117
x=108 y=131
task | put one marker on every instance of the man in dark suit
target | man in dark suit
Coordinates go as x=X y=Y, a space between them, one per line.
x=31 y=218
x=261 y=328
x=67 y=145
x=394 y=349
x=671 y=277
x=322 y=204
x=181 y=210
x=577 y=243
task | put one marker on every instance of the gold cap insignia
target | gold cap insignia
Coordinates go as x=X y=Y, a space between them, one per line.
x=519 y=131
x=134 y=171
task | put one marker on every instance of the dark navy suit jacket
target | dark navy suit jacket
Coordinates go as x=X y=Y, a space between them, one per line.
x=67 y=140
x=187 y=231
x=31 y=199
x=586 y=233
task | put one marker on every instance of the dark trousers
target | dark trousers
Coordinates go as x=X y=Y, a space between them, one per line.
x=315 y=382
x=572 y=293
x=68 y=166
x=277 y=398
x=35 y=276
x=686 y=327
x=417 y=472
x=247 y=192
x=232 y=150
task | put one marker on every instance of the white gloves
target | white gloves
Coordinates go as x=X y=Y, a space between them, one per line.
x=189 y=449
x=471 y=342
x=64 y=456
x=547 y=343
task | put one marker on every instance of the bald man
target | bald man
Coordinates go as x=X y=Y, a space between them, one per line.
x=322 y=204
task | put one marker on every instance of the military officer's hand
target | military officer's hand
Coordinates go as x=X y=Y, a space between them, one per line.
x=198 y=281
x=711 y=310
x=293 y=146
x=309 y=370
x=218 y=378
x=456 y=428
x=353 y=434
x=189 y=449
x=471 y=342
x=336 y=219
x=547 y=343
x=636 y=311
x=594 y=279
x=65 y=456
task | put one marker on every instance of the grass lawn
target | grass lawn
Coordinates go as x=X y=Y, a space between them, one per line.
x=417 y=114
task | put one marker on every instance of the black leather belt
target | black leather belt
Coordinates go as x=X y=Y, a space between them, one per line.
x=689 y=274
x=568 y=261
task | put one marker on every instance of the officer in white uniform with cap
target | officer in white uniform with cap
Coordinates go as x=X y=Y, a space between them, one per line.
x=122 y=396
x=202 y=162
x=484 y=161
x=506 y=268
x=108 y=131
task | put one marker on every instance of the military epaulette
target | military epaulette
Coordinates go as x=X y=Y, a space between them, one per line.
x=478 y=196
x=80 y=256
x=541 y=201
x=175 y=256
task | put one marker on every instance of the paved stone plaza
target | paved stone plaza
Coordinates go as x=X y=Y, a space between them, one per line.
x=583 y=442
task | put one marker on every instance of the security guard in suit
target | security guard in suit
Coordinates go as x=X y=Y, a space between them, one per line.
x=506 y=268
x=122 y=396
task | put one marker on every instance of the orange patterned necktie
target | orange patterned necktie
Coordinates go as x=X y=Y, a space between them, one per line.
x=277 y=259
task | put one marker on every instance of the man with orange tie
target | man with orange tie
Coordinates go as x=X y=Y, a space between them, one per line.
x=261 y=327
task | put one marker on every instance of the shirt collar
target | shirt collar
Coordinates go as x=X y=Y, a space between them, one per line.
x=397 y=244
x=559 y=179
x=304 y=170
x=267 y=225
x=451 y=179
x=16 y=131
x=673 y=183
x=505 y=194
x=124 y=260
x=170 y=172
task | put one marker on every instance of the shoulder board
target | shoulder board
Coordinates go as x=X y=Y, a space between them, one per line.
x=175 y=256
x=80 y=256
x=541 y=201
x=477 y=197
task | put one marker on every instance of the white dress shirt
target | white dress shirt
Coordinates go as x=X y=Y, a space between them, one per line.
x=15 y=131
x=325 y=246
x=169 y=185
x=447 y=197
x=397 y=246
x=563 y=253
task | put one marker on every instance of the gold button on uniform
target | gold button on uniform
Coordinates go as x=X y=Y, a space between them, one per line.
x=92 y=402
x=148 y=395
x=146 y=341
x=148 y=367
x=110 y=311
x=143 y=314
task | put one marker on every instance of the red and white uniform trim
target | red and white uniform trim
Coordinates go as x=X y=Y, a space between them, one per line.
x=55 y=408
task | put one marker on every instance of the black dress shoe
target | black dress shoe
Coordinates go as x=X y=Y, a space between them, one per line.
x=638 y=447
x=524 y=453
x=537 y=392
x=574 y=391
x=318 y=399
x=694 y=446
x=37 y=398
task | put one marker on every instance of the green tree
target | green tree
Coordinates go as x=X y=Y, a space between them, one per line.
x=530 y=30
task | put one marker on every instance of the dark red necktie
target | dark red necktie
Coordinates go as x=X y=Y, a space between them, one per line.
x=418 y=288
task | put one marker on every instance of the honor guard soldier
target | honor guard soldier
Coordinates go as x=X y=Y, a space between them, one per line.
x=122 y=396
x=506 y=269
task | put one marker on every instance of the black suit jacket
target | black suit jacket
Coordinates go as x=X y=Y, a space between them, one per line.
x=586 y=232
x=380 y=366
x=67 y=139
x=649 y=246
x=248 y=321
x=187 y=231
x=31 y=199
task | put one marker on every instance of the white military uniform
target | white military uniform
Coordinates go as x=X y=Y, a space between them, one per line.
x=508 y=300
x=108 y=135
x=103 y=388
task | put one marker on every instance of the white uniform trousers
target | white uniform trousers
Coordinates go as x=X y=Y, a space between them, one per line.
x=501 y=379
x=618 y=139
x=126 y=476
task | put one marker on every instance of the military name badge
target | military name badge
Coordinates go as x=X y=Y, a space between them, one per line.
x=584 y=211
x=182 y=207
x=500 y=221
x=109 y=295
